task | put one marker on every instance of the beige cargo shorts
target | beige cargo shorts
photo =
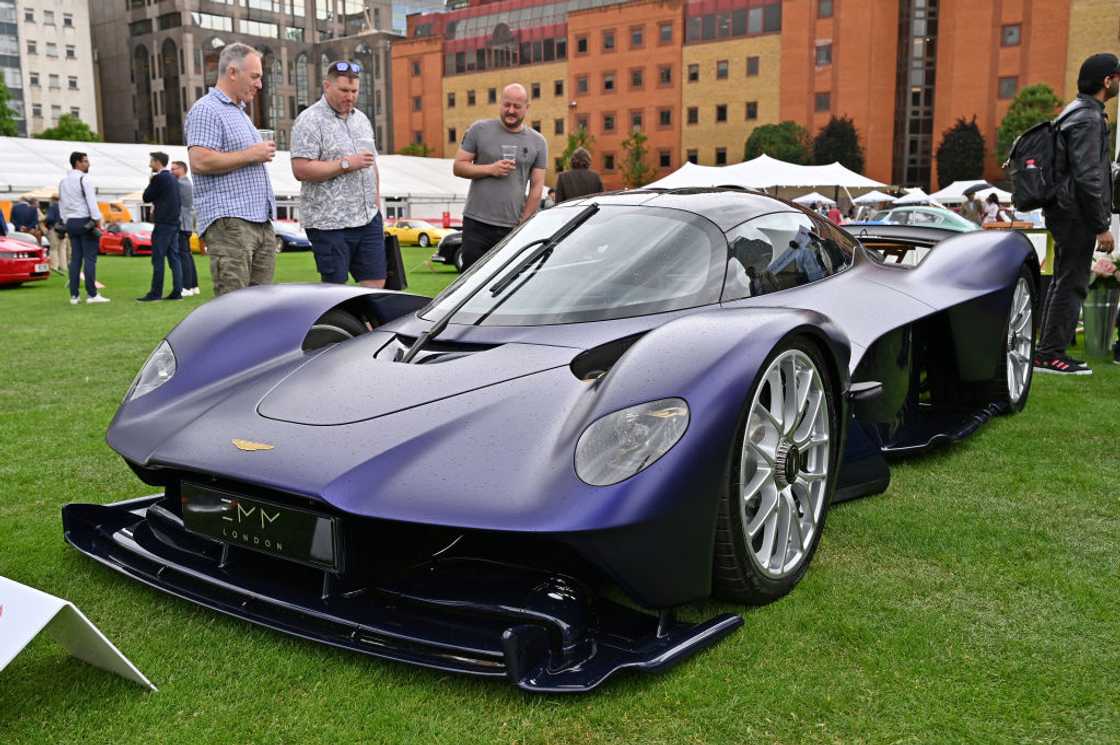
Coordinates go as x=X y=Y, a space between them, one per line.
x=242 y=253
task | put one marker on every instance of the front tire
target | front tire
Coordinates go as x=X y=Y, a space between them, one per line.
x=459 y=259
x=126 y=248
x=279 y=244
x=1013 y=386
x=424 y=240
x=333 y=327
x=782 y=477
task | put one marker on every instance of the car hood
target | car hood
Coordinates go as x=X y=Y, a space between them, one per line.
x=347 y=384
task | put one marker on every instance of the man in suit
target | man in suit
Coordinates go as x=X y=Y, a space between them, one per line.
x=163 y=194
x=186 y=228
x=25 y=217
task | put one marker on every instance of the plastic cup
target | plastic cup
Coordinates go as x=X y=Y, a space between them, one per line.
x=509 y=152
x=267 y=134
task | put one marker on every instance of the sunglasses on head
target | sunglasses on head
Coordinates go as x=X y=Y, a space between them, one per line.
x=346 y=67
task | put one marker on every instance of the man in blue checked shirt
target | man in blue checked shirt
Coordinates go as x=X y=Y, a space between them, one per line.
x=233 y=198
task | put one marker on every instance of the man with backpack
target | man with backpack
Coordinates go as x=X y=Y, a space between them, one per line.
x=1079 y=216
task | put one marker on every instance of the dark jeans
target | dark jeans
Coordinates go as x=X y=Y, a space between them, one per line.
x=83 y=256
x=186 y=261
x=359 y=251
x=165 y=247
x=1073 y=250
x=478 y=238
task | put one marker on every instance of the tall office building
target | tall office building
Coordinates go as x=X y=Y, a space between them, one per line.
x=11 y=64
x=157 y=59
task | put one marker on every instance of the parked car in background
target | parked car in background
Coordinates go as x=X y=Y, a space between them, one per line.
x=450 y=250
x=290 y=236
x=126 y=238
x=926 y=217
x=21 y=261
x=17 y=235
x=417 y=232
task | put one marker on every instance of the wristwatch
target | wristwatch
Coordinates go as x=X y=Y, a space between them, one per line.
x=345 y=163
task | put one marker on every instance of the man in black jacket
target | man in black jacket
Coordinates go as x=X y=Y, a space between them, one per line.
x=163 y=194
x=1081 y=216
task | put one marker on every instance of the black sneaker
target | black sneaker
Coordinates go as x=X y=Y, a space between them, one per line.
x=148 y=299
x=1116 y=354
x=1060 y=365
x=173 y=296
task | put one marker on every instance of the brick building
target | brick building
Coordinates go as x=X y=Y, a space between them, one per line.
x=697 y=76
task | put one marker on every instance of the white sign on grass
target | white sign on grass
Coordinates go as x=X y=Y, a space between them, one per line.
x=25 y=612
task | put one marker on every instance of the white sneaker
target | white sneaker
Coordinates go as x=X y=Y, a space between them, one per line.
x=75 y=300
x=188 y=292
x=96 y=299
x=195 y=291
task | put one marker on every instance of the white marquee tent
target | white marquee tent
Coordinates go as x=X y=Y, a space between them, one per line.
x=954 y=192
x=765 y=172
x=812 y=198
x=875 y=197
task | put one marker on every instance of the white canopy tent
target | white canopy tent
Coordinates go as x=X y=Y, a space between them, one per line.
x=915 y=196
x=814 y=198
x=954 y=193
x=875 y=197
x=765 y=172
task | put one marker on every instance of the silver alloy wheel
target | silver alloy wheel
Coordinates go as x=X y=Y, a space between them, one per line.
x=784 y=464
x=1020 y=328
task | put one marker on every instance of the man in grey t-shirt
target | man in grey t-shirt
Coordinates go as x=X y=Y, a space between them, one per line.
x=500 y=156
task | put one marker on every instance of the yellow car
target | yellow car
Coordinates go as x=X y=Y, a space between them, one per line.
x=417 y=231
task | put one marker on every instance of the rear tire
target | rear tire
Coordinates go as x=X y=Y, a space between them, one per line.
x=333 y=327
x=458 y=261
x=424 y=240
x=126 y=248
x=782 y=476
x=279 y=244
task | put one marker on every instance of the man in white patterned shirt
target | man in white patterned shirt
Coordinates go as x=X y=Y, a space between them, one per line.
x=335 y=157
x=233 y=196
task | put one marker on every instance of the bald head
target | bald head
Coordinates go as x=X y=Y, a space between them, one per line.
x=515 y=103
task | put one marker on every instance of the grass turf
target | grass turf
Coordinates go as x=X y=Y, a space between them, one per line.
x=975 y=601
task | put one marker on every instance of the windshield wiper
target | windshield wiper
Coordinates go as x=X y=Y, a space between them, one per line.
x=544 y=245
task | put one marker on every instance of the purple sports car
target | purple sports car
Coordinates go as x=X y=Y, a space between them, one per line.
x=635 y=401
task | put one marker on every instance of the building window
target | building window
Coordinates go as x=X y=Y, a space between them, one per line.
x=75 y=111
x=693 y=115
x=608 y=82
x=721 y=112
x=1008 y=86
x=664 y=75
x=52 y=49
x=752 y=67
x=29 y=15
x=721 y=156
x=71 y=52
x=752 y=110
x=822 y=102
x=824 y=54
x=581 y=44
x=581 y=85
x=635 y=119
x=637 y=37
x=72 y=82
x=417 y=103
x=54 y=81
x=451 y=99
x=32 y=47
x=637 y=79
x=492 y=95
x=664 y=159
x=694 y=73
x=417 y=137
x=536 y=125
x=608 y=122
x=824 y=9
x=37 y=110
x=56 y=112
x=33 y=77
x=415 y=69
x=558 y=126
x=692 y=156
x=721 y=69
x=665 y=33
x=608 y=41
x=558 y=87
x=608 y=161
x=48 y=17
x=1011 y=35
x=583 y=121
x=664 y=117
x=535 y=90
x=452 y=135
x=68 y=20
x=470 y=98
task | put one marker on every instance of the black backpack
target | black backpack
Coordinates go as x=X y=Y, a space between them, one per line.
x=1032 y=164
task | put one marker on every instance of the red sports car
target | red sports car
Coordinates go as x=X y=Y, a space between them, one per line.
x=22 y=262
x=128 y=238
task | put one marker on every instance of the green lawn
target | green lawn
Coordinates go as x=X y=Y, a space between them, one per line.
x=976 y=601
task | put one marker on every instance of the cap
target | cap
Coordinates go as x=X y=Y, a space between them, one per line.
x=1098 y=67
x=161 y=157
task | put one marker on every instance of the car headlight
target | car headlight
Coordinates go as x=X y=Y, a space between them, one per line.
x=156 y=371
x=622 y=443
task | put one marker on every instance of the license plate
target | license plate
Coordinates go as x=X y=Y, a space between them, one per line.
x=42 y=267
x=277 y=530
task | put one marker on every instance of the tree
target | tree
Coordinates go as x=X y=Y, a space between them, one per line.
x=788 y=141
x=70 y=127
x=580 y=138
x=415 y=148
x=635 y=171
x=839 y=141
x=960 y=156
x=1033 y=104
x=8 y=126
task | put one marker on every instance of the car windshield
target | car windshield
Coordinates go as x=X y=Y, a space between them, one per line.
x=138 y=227
x=624 y=261
x=421 y=224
